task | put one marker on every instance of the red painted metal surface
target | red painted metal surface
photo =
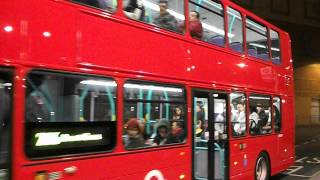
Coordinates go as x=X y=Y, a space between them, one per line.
x=60 y=35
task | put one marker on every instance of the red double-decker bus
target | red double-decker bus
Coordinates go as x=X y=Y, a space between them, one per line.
x=145 y=89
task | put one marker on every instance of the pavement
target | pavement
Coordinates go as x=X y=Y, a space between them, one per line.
x=309 y=134
x=306 y=132
x=307 y=164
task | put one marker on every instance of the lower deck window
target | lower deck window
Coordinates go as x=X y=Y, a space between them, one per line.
x=260 y=115
x=68 y=114
x=154 y=115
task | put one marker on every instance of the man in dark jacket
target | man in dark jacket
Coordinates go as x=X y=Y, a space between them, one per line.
x=165 y=19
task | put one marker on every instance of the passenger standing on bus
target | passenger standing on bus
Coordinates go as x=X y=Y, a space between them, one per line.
x=195 y=26
x=135 y=10
x=239 y=119
x=134 y=132
x=263 y=118
x=165 y=19
x=200 y=114
x=178 y=114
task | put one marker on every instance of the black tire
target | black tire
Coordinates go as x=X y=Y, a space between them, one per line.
x=262 y=167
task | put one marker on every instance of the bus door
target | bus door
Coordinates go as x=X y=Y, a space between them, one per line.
x=5 y=121
x=210 y=139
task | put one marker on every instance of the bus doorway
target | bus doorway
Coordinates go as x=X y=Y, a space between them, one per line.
x=6 y=88
x=210 y=138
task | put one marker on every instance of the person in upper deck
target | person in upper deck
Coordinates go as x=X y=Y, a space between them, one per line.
x=195 y=26
x=135 y=10
x=165 y=19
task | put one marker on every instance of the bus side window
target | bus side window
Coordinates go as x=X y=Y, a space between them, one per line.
x=154 y=115
x=238 y=114
x=260 y=115
x=209 y=26
x=235 y=34
x=257 y=40
x=275 y=47
x=165 y=14
x=109 y=5
x=70 y=105
x=277 y=114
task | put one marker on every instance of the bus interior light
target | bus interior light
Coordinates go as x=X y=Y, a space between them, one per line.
x=99 y=83
x=156 y=88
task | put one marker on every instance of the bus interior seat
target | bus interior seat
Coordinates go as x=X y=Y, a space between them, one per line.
x=264 y=56
x=217 y=40
x=252 y=52
x=276 y=60
x=236 y=46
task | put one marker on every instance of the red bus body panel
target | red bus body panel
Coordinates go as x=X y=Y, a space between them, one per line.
x=89 y=41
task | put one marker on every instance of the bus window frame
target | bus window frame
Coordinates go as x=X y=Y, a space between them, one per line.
x=30 y=153
x=270 y=105
x=225 y=36
x=267 y=36
x=280 y=115
x=156 y=83
x=242 y=29
x=279 y=38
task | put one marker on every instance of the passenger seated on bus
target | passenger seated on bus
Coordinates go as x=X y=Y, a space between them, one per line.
x=135 y=10
x=263 y=118
x=134 y=132
x=178 y=113
x=253 y=120
x=195 y=26
x=177 y=133
x=162 y=133
x=239 y=120
x=165 y=19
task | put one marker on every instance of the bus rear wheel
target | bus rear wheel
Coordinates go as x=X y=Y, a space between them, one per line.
x=262 y=171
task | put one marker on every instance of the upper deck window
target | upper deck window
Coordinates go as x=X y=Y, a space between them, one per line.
x=206 y=21
x=275 y=47
x=108 y=5
x=235 y=30
x=161 y=13
x=257 y=40
x=68 y=114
